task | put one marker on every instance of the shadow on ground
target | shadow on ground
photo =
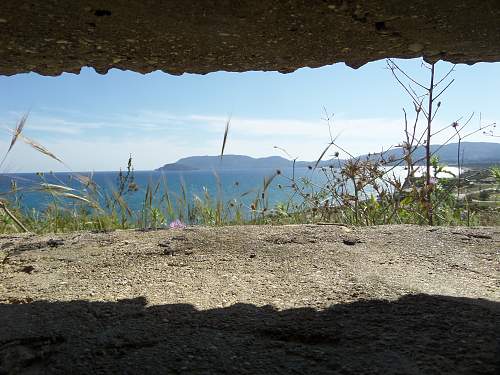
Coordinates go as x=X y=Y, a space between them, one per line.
x=413 y=335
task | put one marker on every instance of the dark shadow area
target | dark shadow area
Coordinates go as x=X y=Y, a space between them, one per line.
x=417 y=334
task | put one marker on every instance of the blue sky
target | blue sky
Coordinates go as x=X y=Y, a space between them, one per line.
x=93 y=122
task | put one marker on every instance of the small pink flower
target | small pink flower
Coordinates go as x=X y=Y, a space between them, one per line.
x=433 y=180
x=177 y=224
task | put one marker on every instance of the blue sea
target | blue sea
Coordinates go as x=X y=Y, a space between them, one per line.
x=243 y=185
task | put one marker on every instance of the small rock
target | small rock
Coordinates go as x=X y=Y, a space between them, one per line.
x=351 y=241
x=27 y=269
x=480 y=235
x=169 y=251
x=55 y=242
x=179 y=238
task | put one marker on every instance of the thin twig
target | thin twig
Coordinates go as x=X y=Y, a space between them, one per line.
x=406 y=75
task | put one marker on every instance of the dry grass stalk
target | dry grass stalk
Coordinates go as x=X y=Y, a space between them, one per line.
x=16 y=133
x=77 y=197
x=37 y=146
x=226 y=131
x=13 y=217
x=55 y=188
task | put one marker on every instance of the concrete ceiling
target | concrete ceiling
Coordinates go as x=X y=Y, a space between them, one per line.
x=55 y=36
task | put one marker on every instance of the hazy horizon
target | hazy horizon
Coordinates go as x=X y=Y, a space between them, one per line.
x=215 y=155
x=93 y=122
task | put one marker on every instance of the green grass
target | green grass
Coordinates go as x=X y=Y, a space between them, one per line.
x=346 y=197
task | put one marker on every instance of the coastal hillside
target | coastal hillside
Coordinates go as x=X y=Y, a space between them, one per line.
x=473 y=153
x=228 y=162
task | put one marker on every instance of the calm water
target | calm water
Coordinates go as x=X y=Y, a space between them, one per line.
x=233 y=184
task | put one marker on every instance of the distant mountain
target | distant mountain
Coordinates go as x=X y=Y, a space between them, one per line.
x=177 y=167
x=475 y=153
x=231 y=162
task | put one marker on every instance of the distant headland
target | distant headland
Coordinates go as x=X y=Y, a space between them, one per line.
x=473 y=153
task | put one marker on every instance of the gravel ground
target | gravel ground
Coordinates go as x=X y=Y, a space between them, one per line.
x=303 y=299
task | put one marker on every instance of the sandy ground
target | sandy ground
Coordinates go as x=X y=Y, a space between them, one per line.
x=302 y=299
